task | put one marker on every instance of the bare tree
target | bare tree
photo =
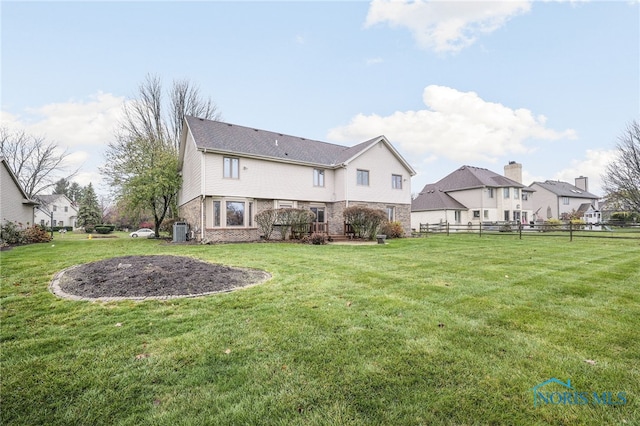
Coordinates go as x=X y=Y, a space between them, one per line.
x=622 y=177
x=33 y=159
x=145 y=117
x=186 y=100
x=142 y=163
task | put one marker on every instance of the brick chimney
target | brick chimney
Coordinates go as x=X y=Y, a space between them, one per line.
x=582 y=183
x=513 y=171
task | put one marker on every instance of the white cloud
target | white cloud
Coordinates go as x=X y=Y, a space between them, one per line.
x=445 y=26
x=73 y=123
x=456 y=125
x=374 y=61
x=593 y=165
x=81 y=127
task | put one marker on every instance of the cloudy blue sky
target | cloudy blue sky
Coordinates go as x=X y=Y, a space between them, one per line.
x=549 y=84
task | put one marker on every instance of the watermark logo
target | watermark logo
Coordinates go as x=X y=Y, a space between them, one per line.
x=569 y=396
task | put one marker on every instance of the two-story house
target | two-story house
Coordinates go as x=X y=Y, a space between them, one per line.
x=15 y=204
x=471 y=195
x=230 y=173
x=560 y=200
x=65 y=212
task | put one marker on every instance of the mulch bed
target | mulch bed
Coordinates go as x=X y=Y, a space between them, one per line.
x=160 y=276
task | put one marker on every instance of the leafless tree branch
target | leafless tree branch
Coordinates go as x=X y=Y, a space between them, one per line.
x=34 y=160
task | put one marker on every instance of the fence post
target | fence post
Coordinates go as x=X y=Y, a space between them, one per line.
x=480 y=229
x=570 y=231
x=447 y=228
x=520 y=230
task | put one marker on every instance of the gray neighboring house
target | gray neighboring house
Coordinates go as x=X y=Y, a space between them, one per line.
x=15 y=205
x=471 y=195
x=230 y=173
x=557 y=200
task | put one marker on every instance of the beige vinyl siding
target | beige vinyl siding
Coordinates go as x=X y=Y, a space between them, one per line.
x=381 y=164
x=191 y=172
x=267 y=180
x=11 y=205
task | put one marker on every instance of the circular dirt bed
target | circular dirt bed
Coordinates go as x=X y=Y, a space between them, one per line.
x=151 y=277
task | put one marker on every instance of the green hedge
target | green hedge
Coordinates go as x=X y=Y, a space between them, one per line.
x=103 y=229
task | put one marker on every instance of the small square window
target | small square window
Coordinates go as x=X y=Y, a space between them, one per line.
x=476 y=214
x=363 y=177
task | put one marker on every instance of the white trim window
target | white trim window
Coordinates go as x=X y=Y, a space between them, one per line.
x=505 y=192
x=318 y=177
x=362 y=177
x=231 y=167
x=391 y=213
x=396 y=181
x=230 y=213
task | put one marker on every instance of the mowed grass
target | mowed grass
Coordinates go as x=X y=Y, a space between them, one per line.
x=440 y=330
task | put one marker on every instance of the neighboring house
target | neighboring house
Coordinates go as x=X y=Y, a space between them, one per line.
x=65 y=212
x=471 y=195
x=230 y=173
x=15 y=205
x=559 y=200
x=588 y=213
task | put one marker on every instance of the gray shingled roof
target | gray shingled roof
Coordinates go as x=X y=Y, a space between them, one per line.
x=434 y=198
x=564 y=189
x=225 y=137
x=469 y=177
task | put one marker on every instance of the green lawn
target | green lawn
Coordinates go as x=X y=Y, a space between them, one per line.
x=439 y=330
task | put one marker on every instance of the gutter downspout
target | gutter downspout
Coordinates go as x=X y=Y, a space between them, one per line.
x=202 y=194
x=346 y=185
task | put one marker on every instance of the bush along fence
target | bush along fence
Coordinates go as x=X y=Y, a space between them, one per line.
x=551 y=228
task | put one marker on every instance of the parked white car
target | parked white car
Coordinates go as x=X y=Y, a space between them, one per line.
x=143 y=232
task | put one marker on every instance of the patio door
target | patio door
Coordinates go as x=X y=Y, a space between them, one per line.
x=319 y=224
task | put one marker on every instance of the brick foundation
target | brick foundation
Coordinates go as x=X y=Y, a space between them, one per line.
x=191 y=212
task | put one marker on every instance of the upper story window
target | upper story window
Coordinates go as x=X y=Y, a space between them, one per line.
x=363 y=177
x=55 y=208
x=66 y=209
x=231 y=167
x=565 y=201
x=318 y=177
x=396 y=181
x=490 y=192
x=505 y=192
x=516 y=193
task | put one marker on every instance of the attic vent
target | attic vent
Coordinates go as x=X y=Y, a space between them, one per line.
x=255 y=130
